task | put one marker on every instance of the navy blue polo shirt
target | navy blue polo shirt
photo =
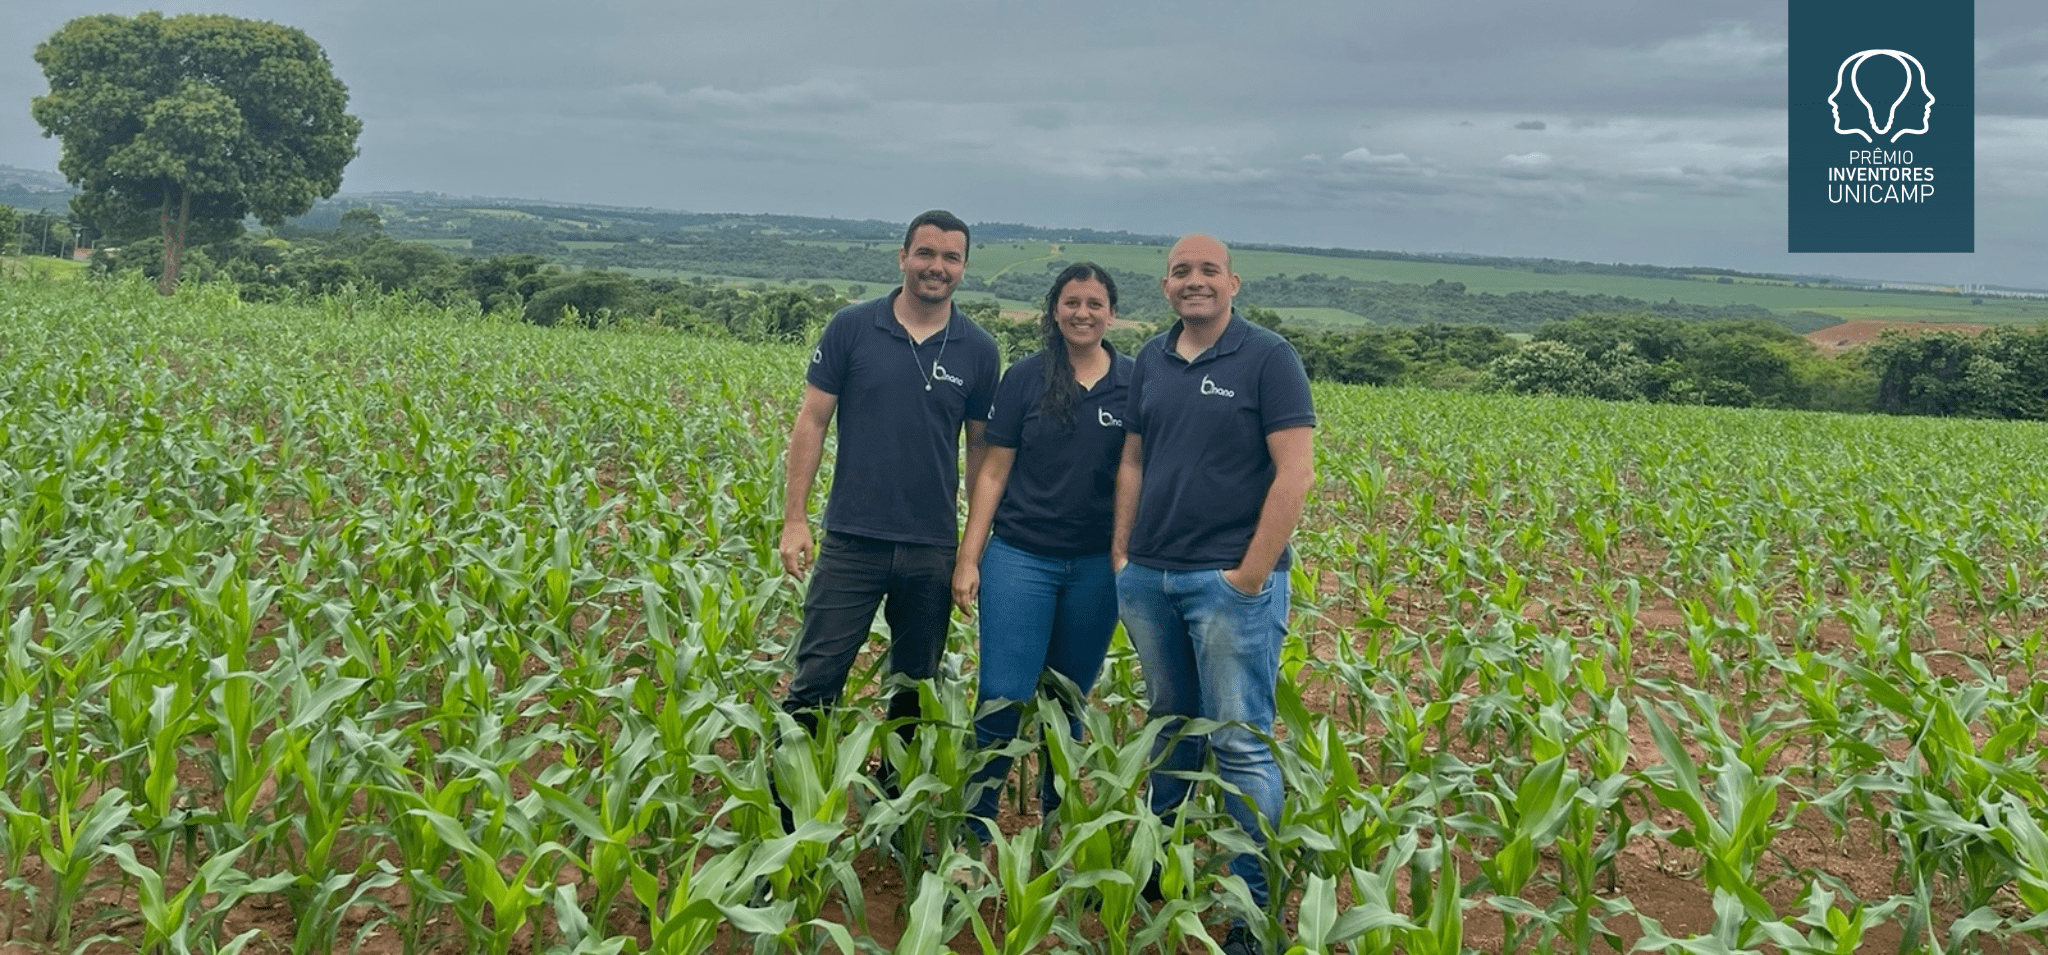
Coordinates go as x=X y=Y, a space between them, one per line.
x=1204 y=425
x=1061 y=497
x=900 y=409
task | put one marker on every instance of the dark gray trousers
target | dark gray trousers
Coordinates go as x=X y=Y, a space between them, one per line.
x=912 y=584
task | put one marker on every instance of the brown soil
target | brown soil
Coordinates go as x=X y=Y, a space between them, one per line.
x=1836 y=339
x=1659 y=879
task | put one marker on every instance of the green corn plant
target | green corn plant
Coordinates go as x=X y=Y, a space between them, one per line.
x=703 y=897
x=70 y=821
x=1029 y=900
x=1827 y=929
x=2015 y=825
x=815 y=777
x=1734 y=931
x=1524 y=821
x=421 y=810
x=1835 y=747
x=1106 y=829
x=931 y=921
x=509 y=899
x=17 y=828
x=1623 y=602
x=1438 y=925
x=1334 y=821
x=189 y=919
x=318 y=782
x=932 y=769
x=1598 y=826
x=622 y=812
x=174 y=718
x=1323 y=924
x=1943 y=820
x=1729 y=827
x=238 y=703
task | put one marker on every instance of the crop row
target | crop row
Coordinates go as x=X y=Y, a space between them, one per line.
x=461 y=635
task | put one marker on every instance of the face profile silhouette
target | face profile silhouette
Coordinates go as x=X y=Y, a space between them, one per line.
x=1872 y=107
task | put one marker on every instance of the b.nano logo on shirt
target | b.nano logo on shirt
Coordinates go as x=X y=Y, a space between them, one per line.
x=1209 y=388
x=1107 y=420
x=939 y=374
x=817 y=355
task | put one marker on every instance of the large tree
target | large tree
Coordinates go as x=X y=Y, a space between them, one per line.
x=196 y=121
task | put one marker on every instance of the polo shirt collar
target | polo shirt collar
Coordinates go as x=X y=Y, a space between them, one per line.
x=885 y=317
x=1233 y=338
x=1119 y=375
x=1119 y=371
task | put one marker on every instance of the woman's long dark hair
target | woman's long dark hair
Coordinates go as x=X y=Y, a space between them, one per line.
x=1062 y=392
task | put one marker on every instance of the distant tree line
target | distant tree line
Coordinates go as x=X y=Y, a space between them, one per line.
x=424 y=217
x=357 y=257
x=1641 y=356
x=36 y=232
x=1637 y=354
x=745 y=254
x=742 y=253
x=2002 y=373
x=1396 y=303
x=17 y=196
x=1433 y=354
x=1540 y=266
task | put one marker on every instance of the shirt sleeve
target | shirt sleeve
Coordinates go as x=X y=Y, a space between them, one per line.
x=828 y=365
x=1006 y=417
x=1284 y=401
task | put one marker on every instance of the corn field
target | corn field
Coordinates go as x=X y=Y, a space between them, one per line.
x=359 y=626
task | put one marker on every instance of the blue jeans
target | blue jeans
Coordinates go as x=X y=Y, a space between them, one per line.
x=1213 y=652
x=1037 y=614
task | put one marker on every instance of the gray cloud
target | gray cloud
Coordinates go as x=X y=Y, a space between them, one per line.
x=1602 y=129
x=1531 y=165
x=812 y=96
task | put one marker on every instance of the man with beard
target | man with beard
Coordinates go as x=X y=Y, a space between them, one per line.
x=903 y=374
x=1218 y=458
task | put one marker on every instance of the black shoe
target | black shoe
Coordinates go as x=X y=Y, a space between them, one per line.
x=1151 y=892
x=885 y=778
x=782 y=809
x=1240 y=941
x=806 y=717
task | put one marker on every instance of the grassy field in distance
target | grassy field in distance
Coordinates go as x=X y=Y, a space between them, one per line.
x=38 y=266
x=1256 y=264
x=1321 y=316
x=844 y=286
x=992 y=257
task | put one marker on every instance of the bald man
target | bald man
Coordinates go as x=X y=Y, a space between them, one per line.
x=1217 y=462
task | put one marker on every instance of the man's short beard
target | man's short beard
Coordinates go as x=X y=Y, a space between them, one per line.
x=920 y=296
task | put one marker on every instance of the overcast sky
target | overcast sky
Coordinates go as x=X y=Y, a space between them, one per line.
x=1611 y=130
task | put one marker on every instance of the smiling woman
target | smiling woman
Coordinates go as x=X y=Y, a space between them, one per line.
x=1036 y=551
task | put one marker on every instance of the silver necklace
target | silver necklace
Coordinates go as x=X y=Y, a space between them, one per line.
x=935 y=362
